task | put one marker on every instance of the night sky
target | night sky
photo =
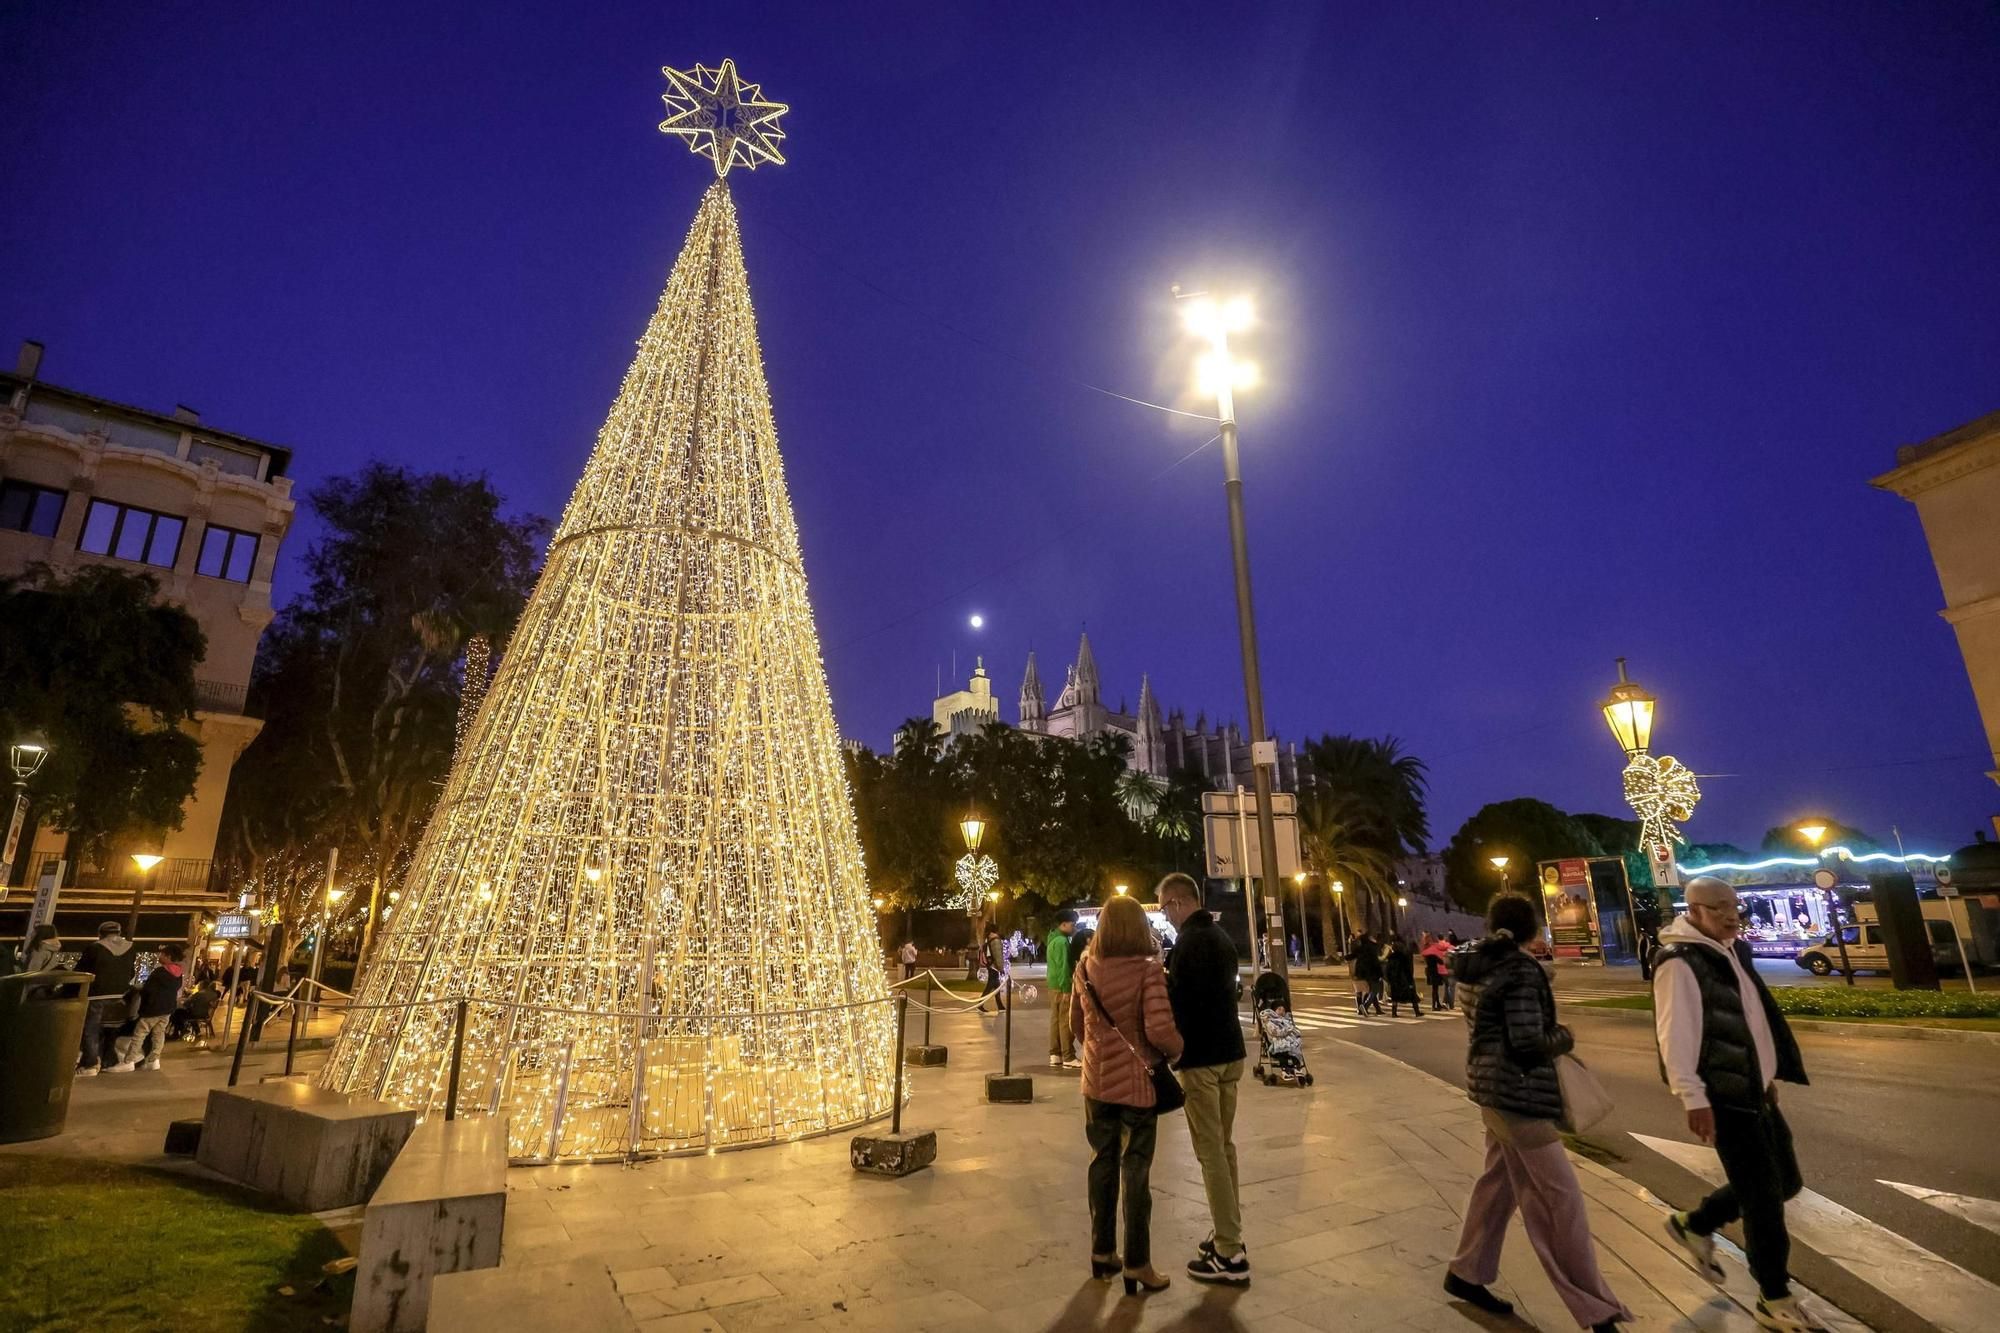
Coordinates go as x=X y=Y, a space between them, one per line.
x=1583 y=329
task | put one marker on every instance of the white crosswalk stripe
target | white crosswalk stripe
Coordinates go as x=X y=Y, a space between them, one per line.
x=1929 y=1286
x=1313 y=1020
x=1983 y=1213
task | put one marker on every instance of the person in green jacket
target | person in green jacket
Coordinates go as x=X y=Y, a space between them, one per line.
x=1062 y=1042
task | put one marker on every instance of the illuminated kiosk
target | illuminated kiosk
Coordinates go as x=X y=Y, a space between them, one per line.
x=643 y=873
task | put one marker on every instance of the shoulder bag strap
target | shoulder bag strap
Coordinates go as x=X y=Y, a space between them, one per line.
x=1098 y=1000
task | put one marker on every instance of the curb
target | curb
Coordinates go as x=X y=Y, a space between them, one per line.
x=1882 y=1031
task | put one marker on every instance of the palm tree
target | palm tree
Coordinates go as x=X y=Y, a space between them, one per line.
x=1341 y=841
x=1389 y=784
x=1140 y=793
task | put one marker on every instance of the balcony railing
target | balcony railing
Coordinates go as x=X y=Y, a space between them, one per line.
x=177 y=876
x=217 y=696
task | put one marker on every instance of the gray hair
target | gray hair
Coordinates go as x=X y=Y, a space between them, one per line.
x=1178 y=885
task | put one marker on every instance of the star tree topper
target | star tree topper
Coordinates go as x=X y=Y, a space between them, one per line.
x=722 y=116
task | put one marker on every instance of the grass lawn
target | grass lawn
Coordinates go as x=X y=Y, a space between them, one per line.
x=1979 y=1024
x=87 y=1247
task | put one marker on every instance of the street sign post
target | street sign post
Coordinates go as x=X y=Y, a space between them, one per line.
x=14 y=827
x=1824 y=880
x=47 y=889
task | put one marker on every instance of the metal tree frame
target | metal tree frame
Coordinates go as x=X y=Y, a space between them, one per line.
x=644 y=873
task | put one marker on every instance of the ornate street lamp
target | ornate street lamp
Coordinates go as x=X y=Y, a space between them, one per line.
x=1340 y=913
x=28 y=755
x=1827 y=881
x=1628 y=710
x=974 y=829
x=145 y=861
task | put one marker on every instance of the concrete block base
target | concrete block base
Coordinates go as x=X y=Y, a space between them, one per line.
x=1010 y=1088
x=441 y=1209
x=542 y=1298
x=893 y=1154
x=925 y=1055
x=183 y=1138
x=311 y=1147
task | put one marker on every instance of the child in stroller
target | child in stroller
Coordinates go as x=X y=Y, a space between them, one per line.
x=1281 y=1050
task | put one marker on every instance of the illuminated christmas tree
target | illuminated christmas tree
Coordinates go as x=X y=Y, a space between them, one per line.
x=644 y=870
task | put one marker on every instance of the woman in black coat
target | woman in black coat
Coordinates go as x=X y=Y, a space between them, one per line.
x=1511 y=1075
x=1399 y=968
x=1364 y=959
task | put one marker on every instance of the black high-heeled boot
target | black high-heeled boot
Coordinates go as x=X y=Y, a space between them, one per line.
x=1104 y=1268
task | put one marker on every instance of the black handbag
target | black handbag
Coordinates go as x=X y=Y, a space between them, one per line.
x=1167 y=1094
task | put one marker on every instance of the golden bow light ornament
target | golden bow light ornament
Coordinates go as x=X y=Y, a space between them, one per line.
x=1663 y=793
x=723 y=117
x=976 y=874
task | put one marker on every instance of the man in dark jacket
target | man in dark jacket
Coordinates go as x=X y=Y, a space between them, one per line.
x=159 y=996
x=1723 y=1044
x=1202 y=985
x=109 y=960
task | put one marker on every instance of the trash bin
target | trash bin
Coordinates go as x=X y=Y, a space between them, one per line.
x=41 y=1027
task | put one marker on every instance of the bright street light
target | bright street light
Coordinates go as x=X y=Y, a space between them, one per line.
x=1212 y=321
x=1499 y=862
x=28 y=755
x=974 y=829
x=1628 y=710
x=145 y=861
x=1812 y=833
x=1121 y=890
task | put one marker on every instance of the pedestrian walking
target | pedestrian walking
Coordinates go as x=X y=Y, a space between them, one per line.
x=1451 y=969
x=1364 y=958
x=1510 y=1073
x=1202 y=983
x=110 y=961
x=994 y=955
x=1436 y=953
x=41 y=949
x=1062 y=1037
x=159 y=996
x=1399 y=970
x=908 y=955
x=1120 y=1006
x=1723 y=1044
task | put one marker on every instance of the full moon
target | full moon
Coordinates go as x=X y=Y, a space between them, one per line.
x=978 y=621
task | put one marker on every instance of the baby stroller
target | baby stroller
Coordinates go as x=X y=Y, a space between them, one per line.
x=1281 y=1051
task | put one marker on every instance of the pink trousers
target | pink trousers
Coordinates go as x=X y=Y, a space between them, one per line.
x=1542 y=1184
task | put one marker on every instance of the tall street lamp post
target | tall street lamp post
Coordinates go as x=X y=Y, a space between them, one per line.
x=1213 y=322
x=1826 y=879
x=1660 y=791
x=27 y=756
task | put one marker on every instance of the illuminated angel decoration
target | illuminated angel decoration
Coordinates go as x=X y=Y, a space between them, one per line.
x=1663 y=793
x=976 y=874
x=723 y=117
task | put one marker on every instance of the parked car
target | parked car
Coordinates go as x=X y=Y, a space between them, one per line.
x=1867 y=953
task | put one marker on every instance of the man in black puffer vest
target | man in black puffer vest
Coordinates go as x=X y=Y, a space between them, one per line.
x=1722 y=1045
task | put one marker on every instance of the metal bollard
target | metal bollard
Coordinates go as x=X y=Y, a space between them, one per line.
x=902 y=1016
x=243 y=1037
x=930 y=1002
x=1007 y=1054
x=457 y=1058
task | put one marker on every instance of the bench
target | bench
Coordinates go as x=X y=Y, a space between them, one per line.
x=573 y=1297
x=310 y=1146
x=439 y=1210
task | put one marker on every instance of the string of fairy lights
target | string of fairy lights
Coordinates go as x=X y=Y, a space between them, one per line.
x=644 y=870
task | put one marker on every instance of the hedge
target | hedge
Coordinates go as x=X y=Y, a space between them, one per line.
x=1854 y=1002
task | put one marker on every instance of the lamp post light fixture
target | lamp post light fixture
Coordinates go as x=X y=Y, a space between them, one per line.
x=1121 y=889
x=1213 y=321
x=145 y=861
x=1340 y=913
x=1500 y=864
x=28 y=754
x=1628 y=711
x=1827 y=881
x=973 y=828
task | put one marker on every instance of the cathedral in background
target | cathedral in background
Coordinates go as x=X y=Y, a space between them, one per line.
x=1162 y=744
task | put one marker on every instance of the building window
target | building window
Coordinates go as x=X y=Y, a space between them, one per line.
x=130 y=533
x=226 y=554
x=25 y=507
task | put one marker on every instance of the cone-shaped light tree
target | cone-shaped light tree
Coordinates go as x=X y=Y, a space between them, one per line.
x=643 y=872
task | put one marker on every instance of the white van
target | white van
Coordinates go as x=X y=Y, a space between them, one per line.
x=1867 y=953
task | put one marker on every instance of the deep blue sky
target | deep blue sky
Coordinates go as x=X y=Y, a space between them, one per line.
x=1584 y=328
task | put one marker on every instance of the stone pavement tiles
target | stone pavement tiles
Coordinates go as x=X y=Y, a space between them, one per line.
x=1352 y=1195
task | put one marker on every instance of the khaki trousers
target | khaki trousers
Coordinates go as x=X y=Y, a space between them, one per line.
x=1062 y=1045
x=1211 y=1118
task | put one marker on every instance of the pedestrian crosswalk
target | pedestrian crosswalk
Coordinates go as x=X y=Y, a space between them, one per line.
x=1934 y=1289
x=1328 y=1020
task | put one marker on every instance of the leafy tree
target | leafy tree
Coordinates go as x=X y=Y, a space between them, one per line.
x=102 y=668
x=1697 y=854
x=1786 y=840
x=1523 y=830
x=360 y=674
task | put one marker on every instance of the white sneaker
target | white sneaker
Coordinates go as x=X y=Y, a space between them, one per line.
x=1700 y=1248
x=122 y=1067
x=1786 y=1315
x=153 y=1063
x=86 y=1071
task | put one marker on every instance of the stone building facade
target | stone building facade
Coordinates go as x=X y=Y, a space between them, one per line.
x=87 y=481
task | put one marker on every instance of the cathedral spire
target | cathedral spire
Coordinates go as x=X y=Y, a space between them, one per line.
x=1034 y=704
x=1086 y=671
